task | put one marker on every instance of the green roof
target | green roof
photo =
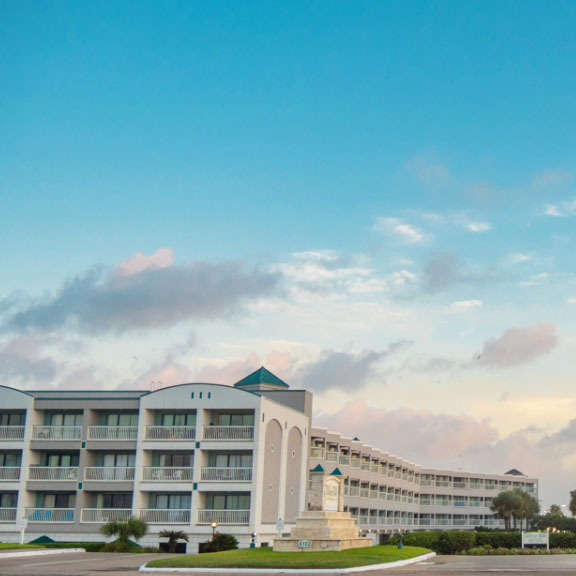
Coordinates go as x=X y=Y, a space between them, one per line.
x=336 y=472
x=318 y=469
x=261 y=376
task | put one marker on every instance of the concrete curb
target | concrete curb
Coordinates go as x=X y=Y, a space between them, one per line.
x=48 y=552
x=366 y=568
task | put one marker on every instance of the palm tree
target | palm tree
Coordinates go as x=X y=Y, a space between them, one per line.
x=131 y=528
x=503 y=505
x=513 y=506
x=555 y=510
x=173 y=537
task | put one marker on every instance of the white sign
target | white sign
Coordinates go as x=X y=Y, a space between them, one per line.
x=304 y=544
x=279 y=525
x=535 y=539
x=331 y=495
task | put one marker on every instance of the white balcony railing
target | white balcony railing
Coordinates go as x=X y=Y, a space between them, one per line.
x=64 y=474
x=208 y=474
x=355 y=462
x=222 y=517
x=104 y=515
x=166 y=474
x=11 y=433
x=57 y=433
x=50 y=515
x=316 y=452
x=169 y=433
x=7 y=515
x=108 y=474
x=331 y=456
x=344 y=459
x=228 y=432
x=112 y=432
x=9 y=473
x=167 y=516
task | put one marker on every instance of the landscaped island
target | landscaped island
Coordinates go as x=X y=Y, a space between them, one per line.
x=267 y=558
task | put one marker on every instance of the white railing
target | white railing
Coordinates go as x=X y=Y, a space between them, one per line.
x=374 y=468
x=354 y=490
x=331 y=456
x=8 y=514
x=364 y=493
x=316 y=452
x=65 y=474
x=228 y=432
x=108 y=474
x=112 y=432
x=9 y=473
x=167 y=474
x=459 y=484
x=355 y=462
x=222 y=517
x=365 y=465
x=11 y=433
x=50 y=515
x=57 y=433
x=165 y=516
x=344 y=459
x=209 y=474
x=104 y=515
x=169 y=433
x=363 y=520
x=374 y=494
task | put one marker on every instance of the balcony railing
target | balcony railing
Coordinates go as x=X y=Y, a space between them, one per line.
x=167 y=474
x=50 y=515
x=459 y=484
x=228 y=432
x=7 y=515
x=64 y=474
x=169 y=433
x=112 y=432
x=11 y=433
x=209 y=474
x=222 y=517
x=9 y=473
x=364 y=493
x=344 y=459
x=354 y=490
x=355 y=462
x=316 y=452
x=104 y=515
x=165 y=516
x=57 y=433
x=365 y=465
x=374 y=468
x=331 y=456
x=108 y=474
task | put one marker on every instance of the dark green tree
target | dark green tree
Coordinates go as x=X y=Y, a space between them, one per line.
x=173 y=537
x=124 y=531
x=572 y=504
x=555 y=510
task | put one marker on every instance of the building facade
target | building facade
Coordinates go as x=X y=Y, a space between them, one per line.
x=200 y=457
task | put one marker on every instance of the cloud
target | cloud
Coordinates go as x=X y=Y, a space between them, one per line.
x=550 y=178
x=561 y=210
x=478 y=226
x=518 y=258
x=571 y=300
x=428 y=173
x=442 y=271
x=162 y=258
x=150 y=297
x=397 y=228
x=346 y=371
x=464 y=305
x=519 y=345
x=22 y=361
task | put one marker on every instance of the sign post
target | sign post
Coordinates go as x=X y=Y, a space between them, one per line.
x=536 y=539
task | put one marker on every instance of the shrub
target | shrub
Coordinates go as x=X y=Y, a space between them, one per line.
x=499 y=539
x=422 y=539
x=88 y=546
x=453 y=542
x=562 y=540
x=220 y=543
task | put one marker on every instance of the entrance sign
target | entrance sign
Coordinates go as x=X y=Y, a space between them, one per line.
x=536 y=539
x=304 y=544
x=332 y=494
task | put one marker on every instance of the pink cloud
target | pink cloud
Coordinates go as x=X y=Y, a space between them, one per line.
x=162 y=258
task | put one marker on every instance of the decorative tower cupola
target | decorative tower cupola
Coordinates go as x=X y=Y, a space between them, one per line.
x=261 y=379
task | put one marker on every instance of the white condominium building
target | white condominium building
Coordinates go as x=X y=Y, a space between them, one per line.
x=199 y=457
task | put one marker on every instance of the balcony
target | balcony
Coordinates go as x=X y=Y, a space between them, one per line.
x=374 y=468
x=56 y=473
x=224 y=517
x=57 y=433
x=364 y=493
x=169 y=433
x=460 y=485
x=7 y=515
x=344 y=460
x=316 y=452
x=355 y=462
x=108 y=474
x=167 y=474
x=365 y=465
x=228 y=433
x=112 y=432
x=50 y=515
x=104 y=515
x=331 y=456
x=11 y=433
x=208 y=474
x=165 y=516
x=9 y=473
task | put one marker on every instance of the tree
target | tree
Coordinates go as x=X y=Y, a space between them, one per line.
x=131 y=528
x=572 y=504
x=503 y=505
x=173 y=537
x=220 y=543
x=513 y=506
x=555 y=510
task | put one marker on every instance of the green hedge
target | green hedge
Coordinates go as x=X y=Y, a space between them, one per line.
x=88 y=546
x=562 y=540
x=499 y=539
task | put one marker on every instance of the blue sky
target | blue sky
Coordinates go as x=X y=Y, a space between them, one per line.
x=375 y=199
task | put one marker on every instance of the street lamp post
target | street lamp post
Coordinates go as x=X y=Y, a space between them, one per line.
x=253 y=539
x=214 y=526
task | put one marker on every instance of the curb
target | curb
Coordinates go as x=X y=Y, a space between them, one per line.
x=41 y=552
x=334 y=571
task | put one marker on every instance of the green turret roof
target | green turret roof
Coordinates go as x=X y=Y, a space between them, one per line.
x=261 y=376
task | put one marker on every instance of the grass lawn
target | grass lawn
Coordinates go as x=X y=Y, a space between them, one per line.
x=267 y=558
x=6 y=546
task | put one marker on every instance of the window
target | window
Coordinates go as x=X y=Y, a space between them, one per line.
x=56 y=501
x=172 y=501
x=10 y=459
x=175 y=419
x=228 y=501
x=60 y=460
x=64 y=419
x=117 y=501
x=235 y=420
x=8 y=500
x=239 y=460
x=175 y=460
x=119 y=460
x=11 y=419
x=120 y=419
